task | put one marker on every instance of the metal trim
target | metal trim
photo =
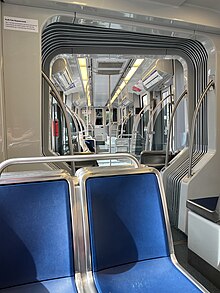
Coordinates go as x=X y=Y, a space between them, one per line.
x=184 y=272
x=75 y=158
x=193 y=126
x=171 y=126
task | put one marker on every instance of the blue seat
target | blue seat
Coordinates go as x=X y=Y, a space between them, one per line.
x=128 y=236
x=36 y=249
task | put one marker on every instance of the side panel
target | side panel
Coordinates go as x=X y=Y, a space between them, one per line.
x=22 y=74
x=21 y=51
x=2 y=136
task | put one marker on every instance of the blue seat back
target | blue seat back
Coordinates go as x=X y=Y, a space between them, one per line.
x=126 y=219
x=35 y=232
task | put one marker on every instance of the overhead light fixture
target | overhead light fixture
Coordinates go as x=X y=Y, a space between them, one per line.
x=129 y=75
x=89 y=100
x=83 y=70
x=85 y=78
x=79 y=3
x=84 y=73
x=138 y=62
x=61 y=74
x=123 y=84
x=152 y=79
x=159 y=73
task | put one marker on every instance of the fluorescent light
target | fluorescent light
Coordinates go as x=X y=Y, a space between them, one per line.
x=130 y=73
x=84 y=73
x=113 y=99
x=85 y=82
x=85 y=79
x=83 y=70
x=79 y=3
x=82 y=62
x=123 y=84
x=138 y=62
x=118 y=92
x=89 y=99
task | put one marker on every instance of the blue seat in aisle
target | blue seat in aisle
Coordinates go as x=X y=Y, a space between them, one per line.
x=36 y=247
x=129 y=238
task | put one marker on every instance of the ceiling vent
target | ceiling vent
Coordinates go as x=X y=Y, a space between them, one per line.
x=109 y=72
x=109 y=65
x=110 y=68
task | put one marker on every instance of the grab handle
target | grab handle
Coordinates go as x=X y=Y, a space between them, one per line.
x=170 y=126
x=210 y=84
x=70 y=158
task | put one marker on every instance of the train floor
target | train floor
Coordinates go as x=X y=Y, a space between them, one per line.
x=181 y=251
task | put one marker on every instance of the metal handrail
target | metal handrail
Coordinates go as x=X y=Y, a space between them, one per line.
x=83 y=125
x=126 y=118
x=72 y=158
x=62 y=105
x=75 y=118
x=210 y=84
x=69 y=111
x=170 y=126
x=152 y=116
x=137 y=121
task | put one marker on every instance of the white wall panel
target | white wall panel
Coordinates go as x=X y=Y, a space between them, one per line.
x=2 y=138
x=22 y=77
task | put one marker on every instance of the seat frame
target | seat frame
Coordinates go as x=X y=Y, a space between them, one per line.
x=86 y=263
x=46 y=176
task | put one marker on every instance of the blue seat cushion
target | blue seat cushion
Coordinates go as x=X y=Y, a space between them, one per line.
x=36 y=236
x=153 y=276
x=126 y=219
x=63 y=285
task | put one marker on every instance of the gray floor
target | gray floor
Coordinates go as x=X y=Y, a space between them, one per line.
x=180 y=246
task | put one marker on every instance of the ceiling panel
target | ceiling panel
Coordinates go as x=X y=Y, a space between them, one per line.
x=102 y=67
x=210 y=4
x=168 y=2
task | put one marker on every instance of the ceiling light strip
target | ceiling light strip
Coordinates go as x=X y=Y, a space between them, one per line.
x=129 y=75
x=85 y=78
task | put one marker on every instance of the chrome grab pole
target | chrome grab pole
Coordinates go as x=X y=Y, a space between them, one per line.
x=69 y=158
x=72 y=114
x=170 y=126
x=136 y=123
x=210 y=84
x=151 y=120
x=62 y=105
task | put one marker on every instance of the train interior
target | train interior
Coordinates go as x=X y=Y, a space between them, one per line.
x=111 y=99
x=115 y=196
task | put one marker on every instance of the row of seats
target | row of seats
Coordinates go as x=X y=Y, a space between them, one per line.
x=46 y=221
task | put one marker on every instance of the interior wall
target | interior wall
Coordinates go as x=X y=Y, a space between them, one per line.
x=205 y=180
x=3 y=154
x=22 y=65
x=22 y=81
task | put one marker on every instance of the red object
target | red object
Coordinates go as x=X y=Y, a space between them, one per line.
x=136 y=89
x=55 y=128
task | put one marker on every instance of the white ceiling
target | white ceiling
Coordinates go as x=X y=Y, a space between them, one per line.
x=169 y=2
x=207 y=4
x=101 y=81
